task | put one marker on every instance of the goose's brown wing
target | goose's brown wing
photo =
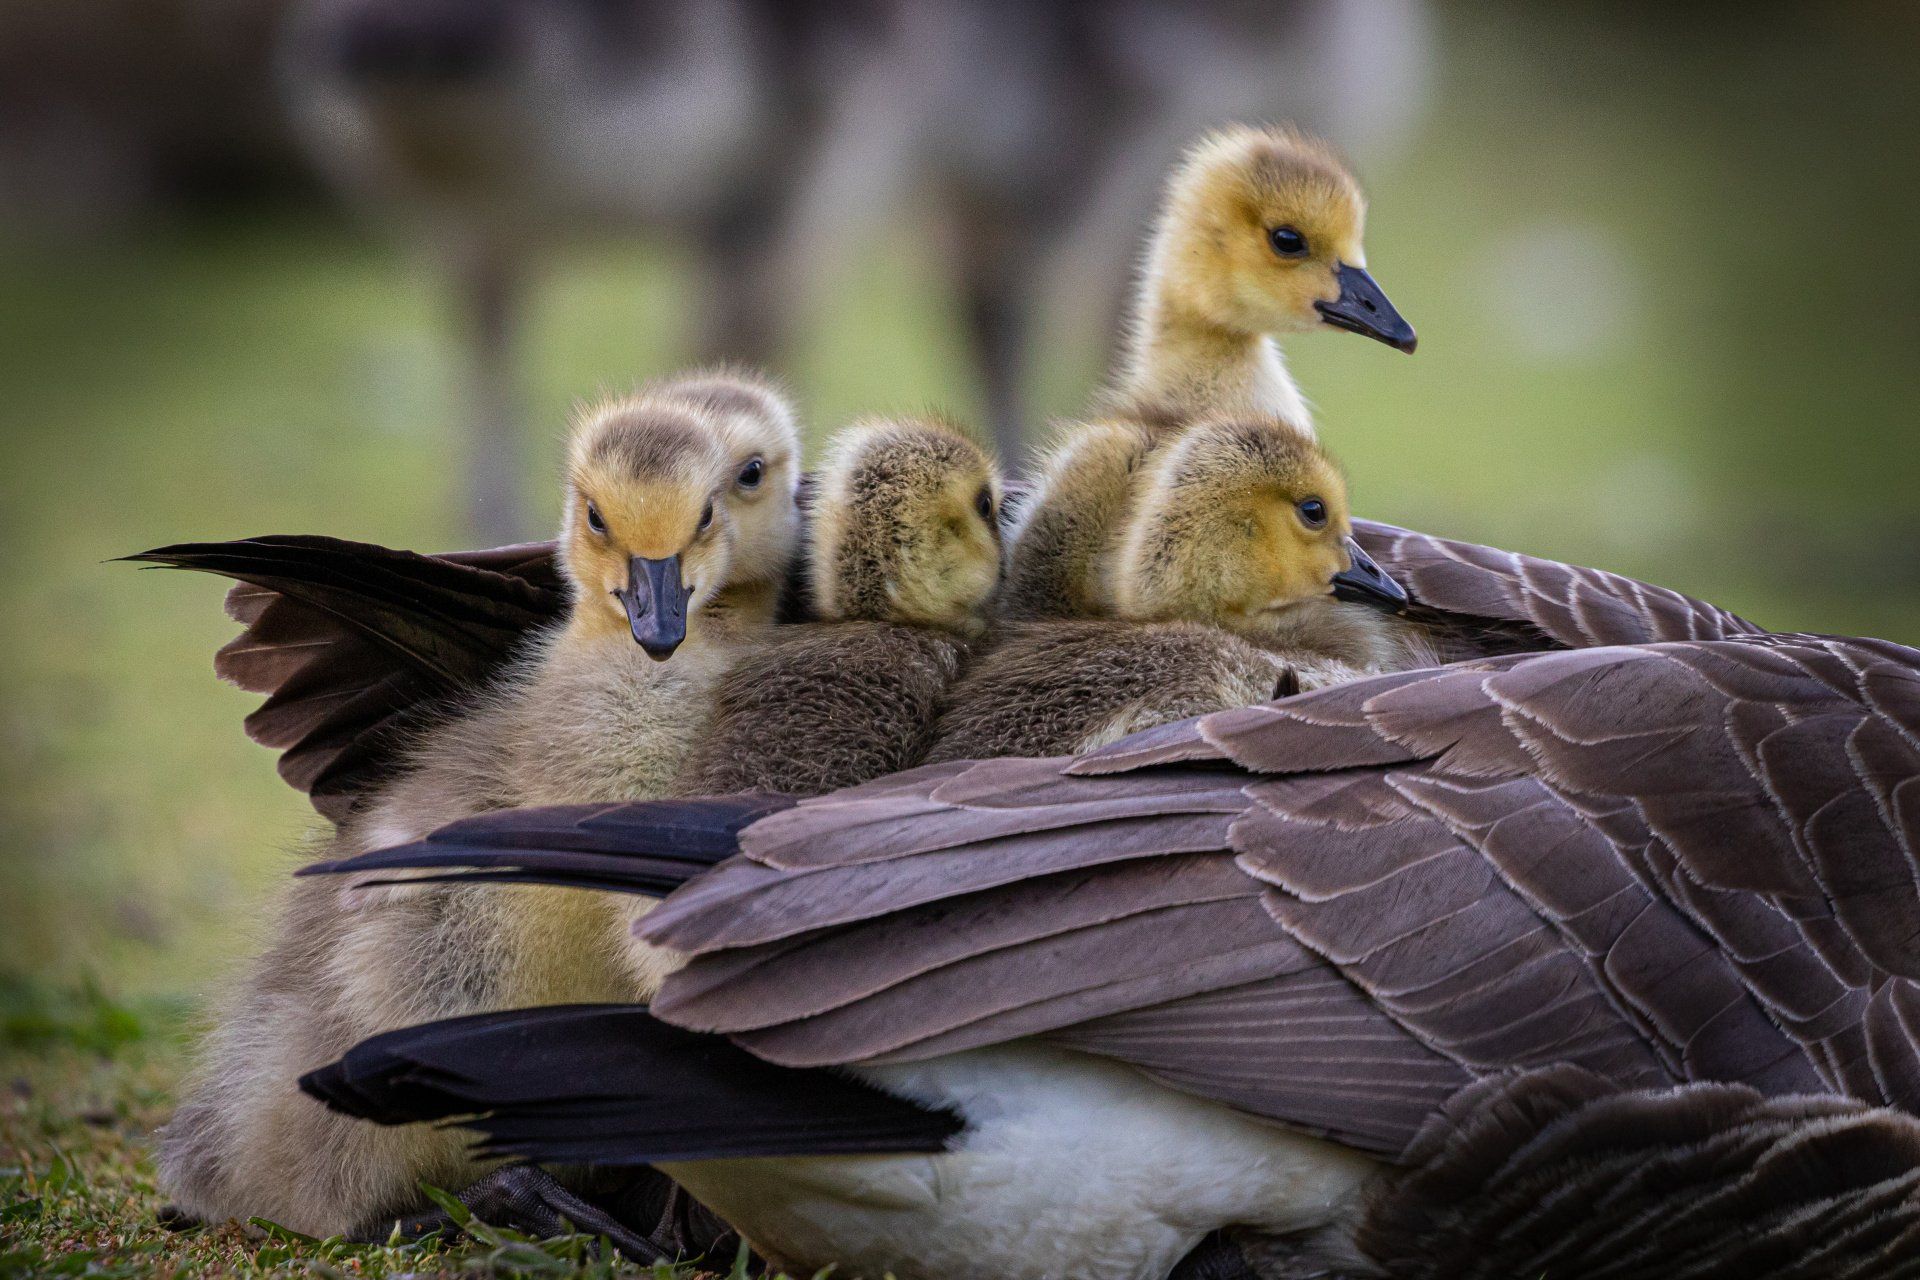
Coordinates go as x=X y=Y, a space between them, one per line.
x=1481 y=600
x=1682 y=862
x=349 y=641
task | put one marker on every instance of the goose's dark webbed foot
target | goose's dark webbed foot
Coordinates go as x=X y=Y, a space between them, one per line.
x=644 y=1215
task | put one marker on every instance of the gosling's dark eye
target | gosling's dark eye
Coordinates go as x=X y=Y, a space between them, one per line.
x=706 y=515
x=1313 y=513
x=983 y=503
x=1287 y=242
x=594 y=522
x=750 y=474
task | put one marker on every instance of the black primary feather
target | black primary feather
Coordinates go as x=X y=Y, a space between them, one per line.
x=642 y=848
x=453 y=622
x=612 y=1084
x=354 y=644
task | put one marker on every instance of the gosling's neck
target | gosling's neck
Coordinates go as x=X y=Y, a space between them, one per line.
x=1181 y=360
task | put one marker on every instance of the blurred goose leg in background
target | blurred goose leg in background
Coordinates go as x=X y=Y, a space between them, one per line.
x=997 y=329
x=742 y=313
x=490 y=296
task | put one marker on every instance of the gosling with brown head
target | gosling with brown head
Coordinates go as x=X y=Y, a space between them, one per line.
x=1261 y=235
x=679 y=524
x=1234 y=581
x=905 y=556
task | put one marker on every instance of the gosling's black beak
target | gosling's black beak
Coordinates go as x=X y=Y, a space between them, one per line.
x=1362 y=308
x=1365 y=582
x=656 y=605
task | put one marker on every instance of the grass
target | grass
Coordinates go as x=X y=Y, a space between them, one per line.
x=88 y=1078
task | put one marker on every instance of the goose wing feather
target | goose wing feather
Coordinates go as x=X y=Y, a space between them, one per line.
x=613 y=1084
x=1594 y=858
x=622 y=848
x=350 y=641
x=1481 y=599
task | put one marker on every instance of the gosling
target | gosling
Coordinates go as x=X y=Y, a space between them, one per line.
x=1260 y=235
x=1235 y=581
x=906 y=553
x=680 y=523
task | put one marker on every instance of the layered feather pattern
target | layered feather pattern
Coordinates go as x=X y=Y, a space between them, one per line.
x=1523 y=600
x=1663 y=864
x=1658 y=865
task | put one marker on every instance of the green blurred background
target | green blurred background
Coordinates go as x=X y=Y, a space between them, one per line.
x=1664 y=266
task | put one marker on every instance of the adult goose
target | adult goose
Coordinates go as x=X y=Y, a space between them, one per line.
x=1595 y=963
x=352 y=642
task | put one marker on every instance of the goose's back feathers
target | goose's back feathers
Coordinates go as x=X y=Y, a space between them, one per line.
x=1610 y=952
x=1687 y=862
x=1480 y=600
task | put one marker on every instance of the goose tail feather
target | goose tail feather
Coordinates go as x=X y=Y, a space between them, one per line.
x=612 y=1084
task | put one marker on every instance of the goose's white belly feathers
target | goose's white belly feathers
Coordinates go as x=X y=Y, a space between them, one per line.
x=1071 y=1166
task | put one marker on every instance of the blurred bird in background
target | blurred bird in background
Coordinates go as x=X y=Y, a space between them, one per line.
x=777 y=138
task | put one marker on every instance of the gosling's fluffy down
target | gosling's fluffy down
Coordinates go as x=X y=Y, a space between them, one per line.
x=1218 y=586
x=1056 y=561
x=1212 y=298
x=1055 y=688
x=585 y=714
x=906 y=553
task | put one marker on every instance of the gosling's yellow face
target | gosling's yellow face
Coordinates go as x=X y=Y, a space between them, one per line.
x=1276 y=239
x=951 y=563
x=1244 y=525
x=648 y=540
x=756 y=428
x=1293 y=536
x=906 y=526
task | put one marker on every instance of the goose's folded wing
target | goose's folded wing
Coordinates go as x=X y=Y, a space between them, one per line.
x=1482 y=600
x=349 y=640
x=1674 y=863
